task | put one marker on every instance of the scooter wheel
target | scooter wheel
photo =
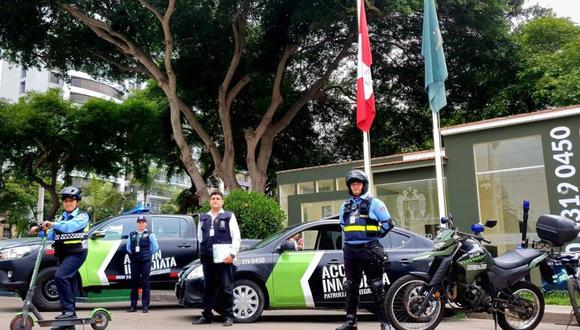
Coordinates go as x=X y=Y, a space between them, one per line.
x=18 y=323
x=100 y=321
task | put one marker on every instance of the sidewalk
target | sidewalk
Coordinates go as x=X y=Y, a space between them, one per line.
x=561 y=315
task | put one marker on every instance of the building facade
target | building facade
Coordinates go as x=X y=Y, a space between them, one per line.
x=490 y=167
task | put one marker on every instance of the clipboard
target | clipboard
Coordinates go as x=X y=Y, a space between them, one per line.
x=220 y=252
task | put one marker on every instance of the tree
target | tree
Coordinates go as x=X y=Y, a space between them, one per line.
x=101 y=199
x=548 y=71
x=18 y=204
x=44 y=137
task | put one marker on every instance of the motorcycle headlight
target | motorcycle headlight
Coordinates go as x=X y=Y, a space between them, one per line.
x=439 y=245
x=17 y=252
x=196 y=272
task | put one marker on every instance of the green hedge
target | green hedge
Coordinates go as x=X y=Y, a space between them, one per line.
x=258 y=215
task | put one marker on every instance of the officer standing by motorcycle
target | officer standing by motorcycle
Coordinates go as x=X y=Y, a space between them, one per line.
x=69 y=233
x=364 y=220
x=141 y=247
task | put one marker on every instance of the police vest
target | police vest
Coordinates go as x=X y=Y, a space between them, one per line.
x=221 y=230
x=144 y=246
x=69 y=243
x=363 y=228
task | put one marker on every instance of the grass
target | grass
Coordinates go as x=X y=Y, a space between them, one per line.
x=557 y=297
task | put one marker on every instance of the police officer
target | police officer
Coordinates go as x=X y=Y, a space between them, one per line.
x=141 y=246
x=70 y=247
x=364 y=220
x=217 y=227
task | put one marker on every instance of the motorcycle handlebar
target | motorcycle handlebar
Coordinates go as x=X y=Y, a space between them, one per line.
x=479 y=238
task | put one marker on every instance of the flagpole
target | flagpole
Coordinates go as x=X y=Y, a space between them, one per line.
x=438 y=164
x=367 y=162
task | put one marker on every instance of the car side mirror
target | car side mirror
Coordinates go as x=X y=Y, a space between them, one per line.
x=491 y=223
x=98 y=234
x=286 y=246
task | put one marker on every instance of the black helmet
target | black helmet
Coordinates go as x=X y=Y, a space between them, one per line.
x=357 y=175
x=142 y=218
x=72 y=192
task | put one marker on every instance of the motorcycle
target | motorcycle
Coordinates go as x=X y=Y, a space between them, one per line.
x=464 y=275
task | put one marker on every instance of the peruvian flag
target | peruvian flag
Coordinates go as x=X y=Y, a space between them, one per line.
x=365 y=98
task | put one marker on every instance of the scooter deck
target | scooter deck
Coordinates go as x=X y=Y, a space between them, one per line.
x=65 y=322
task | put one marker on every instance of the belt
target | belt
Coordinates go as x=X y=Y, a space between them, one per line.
x=362 y=245
x=361 y=228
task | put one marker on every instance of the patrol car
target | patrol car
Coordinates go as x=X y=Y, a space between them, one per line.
x=106 y=272
x=274 y=275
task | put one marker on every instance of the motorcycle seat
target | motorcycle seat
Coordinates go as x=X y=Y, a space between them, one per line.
x=517 y=258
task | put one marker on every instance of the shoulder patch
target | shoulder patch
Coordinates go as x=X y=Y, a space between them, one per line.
x=82 y=216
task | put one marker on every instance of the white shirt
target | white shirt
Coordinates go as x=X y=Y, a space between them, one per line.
x=234 y=231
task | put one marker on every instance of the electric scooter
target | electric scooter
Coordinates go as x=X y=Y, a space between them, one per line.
x=98 y=319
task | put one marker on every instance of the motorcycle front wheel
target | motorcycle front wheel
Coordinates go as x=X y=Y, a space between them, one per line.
x=525 y=295
x=403 y=301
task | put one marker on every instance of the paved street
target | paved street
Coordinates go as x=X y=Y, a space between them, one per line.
x=168 y=316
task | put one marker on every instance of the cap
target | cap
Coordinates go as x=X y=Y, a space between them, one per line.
x=141 y=218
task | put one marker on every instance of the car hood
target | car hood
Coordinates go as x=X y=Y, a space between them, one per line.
x=10 y=243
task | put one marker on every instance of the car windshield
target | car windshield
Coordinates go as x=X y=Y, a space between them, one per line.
x=273 y=237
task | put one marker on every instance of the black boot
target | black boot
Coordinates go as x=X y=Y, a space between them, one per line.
x=385 y=326
x=350 y=323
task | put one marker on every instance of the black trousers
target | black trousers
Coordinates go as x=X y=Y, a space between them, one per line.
x=140 y=271
x=66 y=281
x=217 y=276
x=369 y=258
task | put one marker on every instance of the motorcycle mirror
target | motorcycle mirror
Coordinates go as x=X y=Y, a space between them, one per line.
x=491 y=223
x=443 y=220
x=477 y=228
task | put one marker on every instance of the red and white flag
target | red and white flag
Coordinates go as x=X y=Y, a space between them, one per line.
x=365 y=97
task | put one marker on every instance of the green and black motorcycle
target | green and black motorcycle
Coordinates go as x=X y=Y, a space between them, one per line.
x=463 y=274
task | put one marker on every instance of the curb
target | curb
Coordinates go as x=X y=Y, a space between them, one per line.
x=561 y=315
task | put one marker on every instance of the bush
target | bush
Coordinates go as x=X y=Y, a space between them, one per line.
x=258 y=215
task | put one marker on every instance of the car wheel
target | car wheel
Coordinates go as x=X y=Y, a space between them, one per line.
x=45 y=294
x=248 y=301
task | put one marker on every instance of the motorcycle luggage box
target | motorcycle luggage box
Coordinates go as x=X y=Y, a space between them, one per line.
x=556 y=230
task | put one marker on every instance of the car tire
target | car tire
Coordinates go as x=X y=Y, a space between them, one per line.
x=45 y=294
x=249 y=302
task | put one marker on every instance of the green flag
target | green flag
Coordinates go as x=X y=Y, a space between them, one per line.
x=432 y=51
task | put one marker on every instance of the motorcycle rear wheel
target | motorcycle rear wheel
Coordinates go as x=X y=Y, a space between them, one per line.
x=574 y=294
x=511 y=320
x=403 y=297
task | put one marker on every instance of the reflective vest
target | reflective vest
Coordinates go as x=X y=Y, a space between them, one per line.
x=144 y=245
x=221 y=230
x=358 y=226
x=69 y=243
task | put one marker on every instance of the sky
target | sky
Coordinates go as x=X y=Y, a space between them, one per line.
x=562 y=8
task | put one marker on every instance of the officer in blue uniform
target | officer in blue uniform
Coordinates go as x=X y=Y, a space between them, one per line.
x=364 y=220
x=69 y=233
x=218 y=227
x=141 y=246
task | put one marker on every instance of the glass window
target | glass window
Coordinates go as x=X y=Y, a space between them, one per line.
x=95 y=86
x=318 y=210
x=320 y=238
x=23 y=73
x=305 y=187
x=165 y=227
x=324 y=185
x=55 y=79
x=115 y=229
x=284 y=191
x=507 y=172
x=22 y=87
x=79 y=98
x=412 y=204
x=395 y=240
x=340 y=184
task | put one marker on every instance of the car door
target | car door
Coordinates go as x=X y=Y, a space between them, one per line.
x=107 y=262
x=296 y=277
x=177 y=248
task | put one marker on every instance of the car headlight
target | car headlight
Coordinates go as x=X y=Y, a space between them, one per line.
x=17 y=252
x=196 y=272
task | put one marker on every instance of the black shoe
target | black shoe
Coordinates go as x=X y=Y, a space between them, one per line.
x=145 y=309
x=348 y=325
x=67 y=315
x=385 y=326
x=201 y=320
x=228 y=322
x=132 y=309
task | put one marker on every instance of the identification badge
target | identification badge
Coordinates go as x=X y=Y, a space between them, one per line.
x=137 y=249
x=211 y=232
x=352 y=219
